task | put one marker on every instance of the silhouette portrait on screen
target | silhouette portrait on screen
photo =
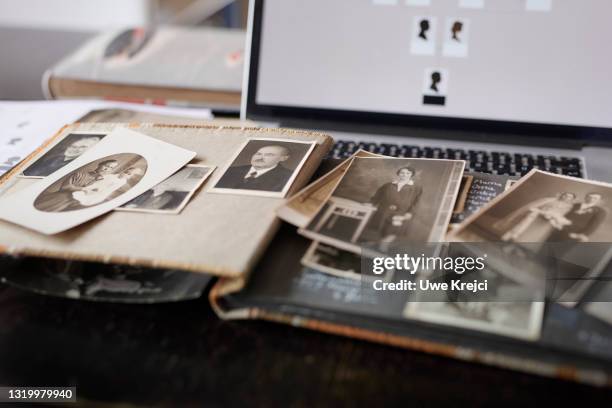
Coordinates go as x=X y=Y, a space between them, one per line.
x=456 y=29
x=436 y=77
x=424 y=28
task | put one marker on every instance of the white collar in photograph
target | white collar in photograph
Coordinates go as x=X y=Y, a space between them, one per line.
x=258 y=172
x=400 y=185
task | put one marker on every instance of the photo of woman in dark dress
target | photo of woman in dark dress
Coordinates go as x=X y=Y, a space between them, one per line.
x=395 y=202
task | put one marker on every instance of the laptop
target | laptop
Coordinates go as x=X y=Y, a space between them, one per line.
x=505 y=85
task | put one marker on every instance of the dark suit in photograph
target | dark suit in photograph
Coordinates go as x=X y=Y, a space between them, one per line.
x=583 y=222
x=273 y=180
x=391 y=202
x=46 y=166
x=168 y=200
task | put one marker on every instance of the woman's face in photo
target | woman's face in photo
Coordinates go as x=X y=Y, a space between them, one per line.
x=567 y=197
x=404 y=175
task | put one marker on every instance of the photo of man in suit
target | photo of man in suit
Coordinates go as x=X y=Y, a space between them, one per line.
x=71 y=147
x=265 y=166
x=584 y=217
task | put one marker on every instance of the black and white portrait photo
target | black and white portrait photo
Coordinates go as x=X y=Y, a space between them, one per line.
x=264 y=167
x=504 y=308
x=171 y=195
x=68 y=149
x=95 y=183
x=546 y=207
x=331 y=260
x=382 y=201
x=122 y=166
x=549 y=229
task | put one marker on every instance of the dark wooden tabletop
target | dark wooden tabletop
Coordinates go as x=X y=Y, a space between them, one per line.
x=181 y=354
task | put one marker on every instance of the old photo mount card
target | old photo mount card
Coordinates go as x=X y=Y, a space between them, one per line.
x=299 y=209
x=179 y=197
x=61 y=153
x=531 y=315
x=545 y=212
x=364 y=234
x=87 y=187
x=240 y=178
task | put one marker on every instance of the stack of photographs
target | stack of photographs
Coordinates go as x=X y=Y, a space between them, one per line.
x=372 y=205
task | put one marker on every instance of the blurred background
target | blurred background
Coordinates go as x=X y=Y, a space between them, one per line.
x=35 y=34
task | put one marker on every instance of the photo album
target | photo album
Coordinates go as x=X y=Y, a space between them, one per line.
x=410 y=252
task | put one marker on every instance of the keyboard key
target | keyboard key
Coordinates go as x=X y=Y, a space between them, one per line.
x=497 y=162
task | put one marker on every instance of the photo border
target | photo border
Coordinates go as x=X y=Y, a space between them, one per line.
x=274 y=194
x=185 y=201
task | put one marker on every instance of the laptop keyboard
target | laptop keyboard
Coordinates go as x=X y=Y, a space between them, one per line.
x=512 y=164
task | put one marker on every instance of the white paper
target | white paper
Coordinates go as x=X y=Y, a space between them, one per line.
x=162 y=160
x=24 y=126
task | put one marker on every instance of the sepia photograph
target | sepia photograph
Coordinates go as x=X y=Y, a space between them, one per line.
x=63 y=153
x=95 y=183
x=384 y=201
x=496 y=310
x=105 y=283
x=303 y=205
x=553 y=229
x=338 y=262
x=122 y=166
x=171 y=195
x=333 y=261
x=544 y=207
x=265 y=167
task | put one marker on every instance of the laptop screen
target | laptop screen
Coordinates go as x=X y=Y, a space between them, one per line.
x=525 y=61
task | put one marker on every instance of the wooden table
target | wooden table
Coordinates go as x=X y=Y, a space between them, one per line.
x=181 y=354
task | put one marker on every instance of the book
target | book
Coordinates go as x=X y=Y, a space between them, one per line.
x=219 y=234
x=200 y=66
x=571 y=344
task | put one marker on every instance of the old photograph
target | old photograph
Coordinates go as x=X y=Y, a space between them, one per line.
x=265 y=167
x=104 y=283
x=171 y=195
x=95 y=183
x=552 y=228
x=122 y=166
x=64 y=152
x=544 y=207
x=338 y=262
x=496 y=310
x=303 y=205
x=382 y=201
x=333 y=261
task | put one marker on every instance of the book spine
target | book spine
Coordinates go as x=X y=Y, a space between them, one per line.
x=46 y=84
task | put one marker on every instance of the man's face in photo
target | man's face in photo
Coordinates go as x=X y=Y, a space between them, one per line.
x=77 y=148
x=269 y=156
x=592 y=198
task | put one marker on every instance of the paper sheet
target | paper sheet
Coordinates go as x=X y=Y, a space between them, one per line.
x=24 y=126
